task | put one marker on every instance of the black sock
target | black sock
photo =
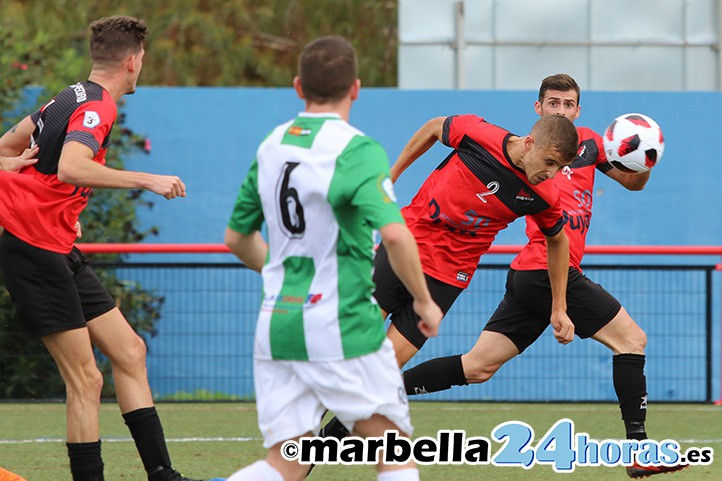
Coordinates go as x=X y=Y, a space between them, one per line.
x=434 y=375
x=334 y=429
x=85 y=461
x=630 y=385
x=144 y=425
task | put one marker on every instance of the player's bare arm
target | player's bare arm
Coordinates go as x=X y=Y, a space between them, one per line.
x=635 y=181
x=17 y=139
x=422 y=140
x=558 y=263
x=404 y=259
x=76 y=167
x=251 y=249
x=15 y=164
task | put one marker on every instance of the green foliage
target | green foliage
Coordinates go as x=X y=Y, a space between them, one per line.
x=219 y=42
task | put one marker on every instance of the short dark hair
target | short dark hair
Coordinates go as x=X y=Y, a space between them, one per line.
x=560 y=81
x=327 y=69
x=558 y=133
x=113 y=38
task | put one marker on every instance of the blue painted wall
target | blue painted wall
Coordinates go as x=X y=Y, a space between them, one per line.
x=208 y=137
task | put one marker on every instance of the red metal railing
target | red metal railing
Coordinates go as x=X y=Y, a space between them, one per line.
x=495 y=249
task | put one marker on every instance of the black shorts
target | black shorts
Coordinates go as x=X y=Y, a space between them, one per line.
x=393 y=298
x=524 y=312
x=52 y=292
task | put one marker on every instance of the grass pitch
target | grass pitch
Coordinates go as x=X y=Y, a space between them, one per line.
x=209 y=440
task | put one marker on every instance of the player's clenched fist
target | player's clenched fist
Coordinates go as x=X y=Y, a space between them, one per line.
x=169 y=186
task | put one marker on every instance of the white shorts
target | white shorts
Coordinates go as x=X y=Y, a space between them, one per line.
x=291 y=396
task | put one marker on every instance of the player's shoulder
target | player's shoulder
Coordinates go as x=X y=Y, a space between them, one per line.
x=362 y=148
x=586 y=133
x=473 y=126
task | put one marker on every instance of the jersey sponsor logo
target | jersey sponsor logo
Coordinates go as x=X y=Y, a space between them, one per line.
x=469 y=226
x=280 y=303
x=578 y=221
x=462 y=276
x=493 y=187
x=524 y=196
x=299 y=131
x=80 y=94
x=91 y=119
x=388 y=187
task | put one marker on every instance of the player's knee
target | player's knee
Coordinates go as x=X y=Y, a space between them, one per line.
x=634 y=341
x=133 y=355
x=638 y=340
x=479 y=372
x=86 y=384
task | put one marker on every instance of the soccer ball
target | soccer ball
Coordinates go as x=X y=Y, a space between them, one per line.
x=633 y=143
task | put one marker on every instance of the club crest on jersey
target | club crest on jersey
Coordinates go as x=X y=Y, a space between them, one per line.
x=566 y=170
x=582 y=154
x=299 y=131
x=462 y=276
x=91 y=119
x=525 y=196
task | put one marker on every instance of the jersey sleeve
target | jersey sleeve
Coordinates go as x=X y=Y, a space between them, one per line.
x=90 y=124
x=247 y=215
x=551 y=220
x=366 y=182
x=456 y=126
x=603 y=165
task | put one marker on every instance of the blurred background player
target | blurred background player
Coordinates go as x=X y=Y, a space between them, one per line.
x=523 y=313
x=56 y=293
x=322 y=187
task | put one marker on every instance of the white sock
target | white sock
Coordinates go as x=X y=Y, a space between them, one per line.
x=258 y=471
x=408 y=474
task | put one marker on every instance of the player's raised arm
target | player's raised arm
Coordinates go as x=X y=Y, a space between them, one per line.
x=422 y=140
x=635 y=181
x=558 y=262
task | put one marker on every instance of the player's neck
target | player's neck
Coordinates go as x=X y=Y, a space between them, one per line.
x=342 y=108
x=112 y=82
x=515 y=150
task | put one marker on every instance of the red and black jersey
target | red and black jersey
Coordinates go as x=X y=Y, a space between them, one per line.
x=35 y=206
x=576 y=187
x=472 y=195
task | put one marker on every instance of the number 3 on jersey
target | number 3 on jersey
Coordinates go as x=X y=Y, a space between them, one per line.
x=293 y=223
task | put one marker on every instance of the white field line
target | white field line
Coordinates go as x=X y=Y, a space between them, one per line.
x=237 y=440
x=128 y=440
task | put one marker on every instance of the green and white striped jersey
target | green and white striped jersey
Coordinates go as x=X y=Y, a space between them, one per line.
x=322 y=187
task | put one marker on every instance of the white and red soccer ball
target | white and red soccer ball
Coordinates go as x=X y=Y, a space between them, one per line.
x=633 y=143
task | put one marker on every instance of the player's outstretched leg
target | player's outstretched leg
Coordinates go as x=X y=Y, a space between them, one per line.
x=627 y=341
